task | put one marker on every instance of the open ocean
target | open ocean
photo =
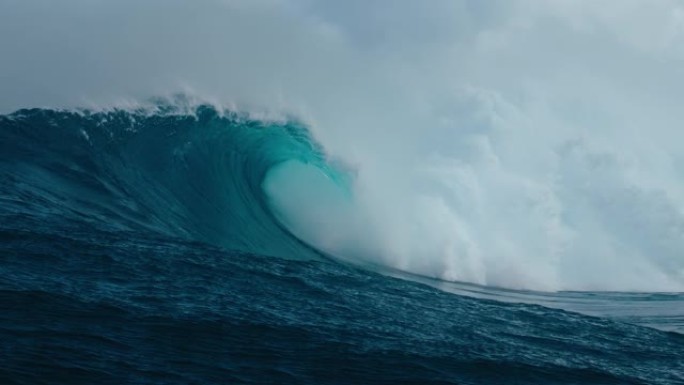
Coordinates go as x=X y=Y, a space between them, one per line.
x=140 y=247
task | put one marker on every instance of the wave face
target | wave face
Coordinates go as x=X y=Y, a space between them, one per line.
x=195 y=175
x=138 y=247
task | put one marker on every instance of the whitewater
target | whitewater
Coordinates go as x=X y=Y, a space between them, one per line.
x=296 y=191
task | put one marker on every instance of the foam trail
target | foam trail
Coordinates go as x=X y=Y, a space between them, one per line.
x=513 y=144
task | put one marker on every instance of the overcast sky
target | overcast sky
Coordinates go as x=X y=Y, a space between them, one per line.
x=77 y=51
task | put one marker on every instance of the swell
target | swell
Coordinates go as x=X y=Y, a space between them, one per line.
x=192 y=173
x=225 y=178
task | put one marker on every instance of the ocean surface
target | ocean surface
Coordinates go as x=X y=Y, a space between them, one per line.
x=140 y=247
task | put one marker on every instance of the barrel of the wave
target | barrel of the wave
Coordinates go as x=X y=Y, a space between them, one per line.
x=315 y=201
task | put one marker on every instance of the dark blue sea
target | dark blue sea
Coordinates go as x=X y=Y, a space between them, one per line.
x=138 y=247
